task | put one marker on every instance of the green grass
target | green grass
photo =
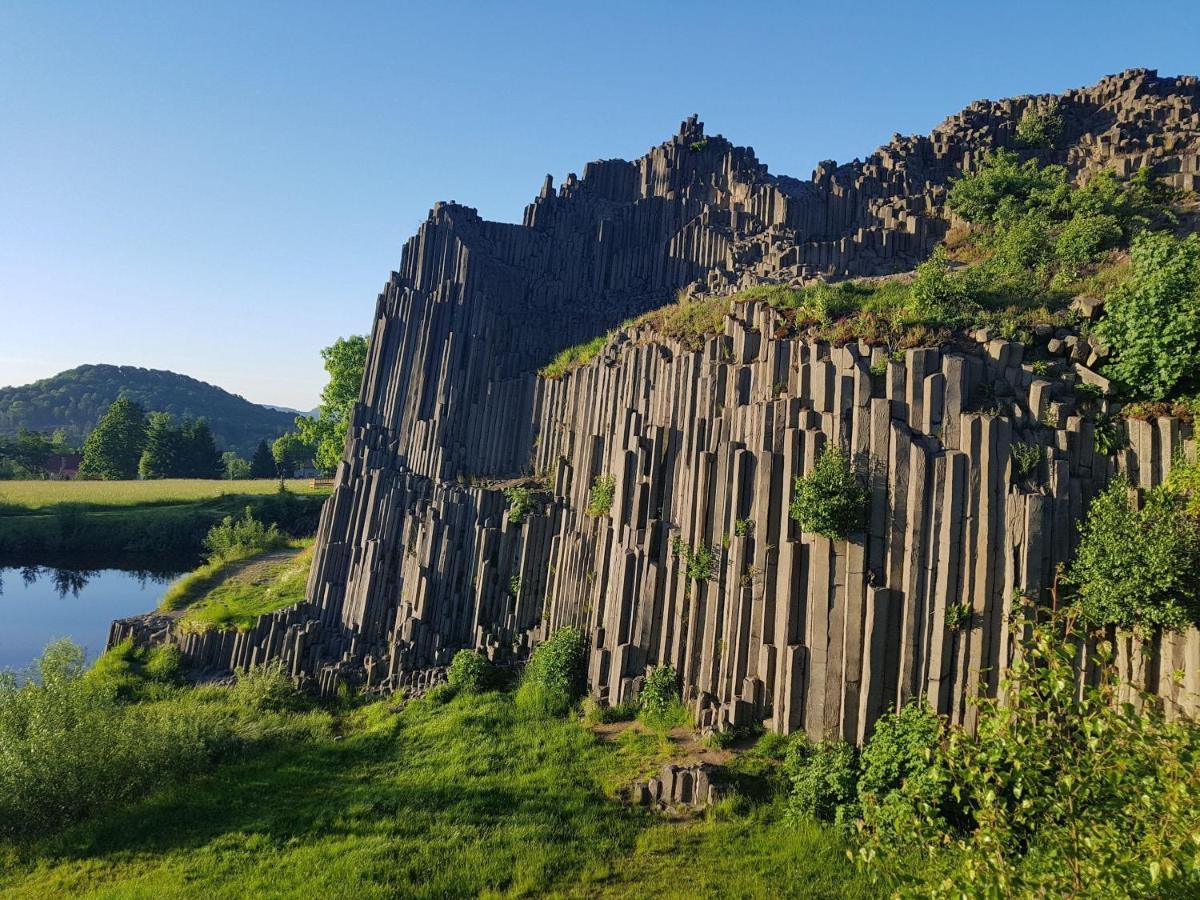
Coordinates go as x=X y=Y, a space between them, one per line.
x=240 y=598
x=17 y=497
x=463 y=799
x=128 y=523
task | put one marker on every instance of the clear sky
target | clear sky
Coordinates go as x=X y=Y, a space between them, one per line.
x=222 y=188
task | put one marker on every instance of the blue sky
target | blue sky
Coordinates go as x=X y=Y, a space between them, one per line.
x=222 y=188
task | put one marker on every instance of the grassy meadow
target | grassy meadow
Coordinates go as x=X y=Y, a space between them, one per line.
x=17 y=497
x=137 y=523
x=234 y=594
x=464 y=798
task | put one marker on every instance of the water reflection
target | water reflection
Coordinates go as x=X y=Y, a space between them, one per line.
x=73 y=581
x=42 y=603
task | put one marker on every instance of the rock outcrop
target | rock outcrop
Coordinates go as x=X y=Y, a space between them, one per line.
x=416 y=557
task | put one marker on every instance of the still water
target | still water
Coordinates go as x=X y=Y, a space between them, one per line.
x=39 y=604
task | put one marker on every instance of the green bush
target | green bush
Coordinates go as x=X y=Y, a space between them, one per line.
x=939 y=294
x=1026 y=458
x=660 y=704
x=1061 y=791
x=75 y=741
x=1040 y=127
x=1003 y=189
x=829 y=500
x=267 y=687
x=1083 y=238
x=898 y=764
x=470 y=671
x=520 y=504
x=164 y=663
x=824 y=782
x=1138 y=567
x=1152 y=323
x=555 y=677
x=600 y=498
x=235 y=538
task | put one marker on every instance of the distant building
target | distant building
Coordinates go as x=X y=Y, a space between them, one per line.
x=63 y=466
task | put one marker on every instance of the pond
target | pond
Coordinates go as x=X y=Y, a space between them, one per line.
x=39 y=604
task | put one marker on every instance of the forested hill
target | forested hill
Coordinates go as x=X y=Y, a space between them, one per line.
x=74 y=401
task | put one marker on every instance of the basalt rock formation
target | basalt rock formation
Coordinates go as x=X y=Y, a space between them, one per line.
x=417 y=558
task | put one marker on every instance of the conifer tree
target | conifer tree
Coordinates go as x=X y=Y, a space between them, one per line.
x=113 y=449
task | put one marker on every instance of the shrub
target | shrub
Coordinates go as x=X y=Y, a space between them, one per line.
x=824 y=782
x=659 y=700
x=1040 y=127
x=898 y=763
x=939 y=294
x=1026 y=458
x=555 y=677
x=267 y=687
x=234 y=538
x=829 y=500
x=1083 y=238
x=600 y=497
x=469 y=671
x=164 y=663
x=1152 y=323
x=1062 y=791
x=701 y=563
x=520 y=504
x=1004 y=189
x=1138 y=567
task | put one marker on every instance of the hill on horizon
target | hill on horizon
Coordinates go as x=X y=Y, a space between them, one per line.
x=75 y=400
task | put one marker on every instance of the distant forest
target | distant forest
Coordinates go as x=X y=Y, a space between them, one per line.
x=74 y=401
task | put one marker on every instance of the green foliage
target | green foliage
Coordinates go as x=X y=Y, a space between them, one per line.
x=689 y=320
x=1062 y=791
x=743 y=527
x=27 y=454
x=898 y=764
x=184 y=452
x=1138 y=567
x=1040 y=127
x=600 y=497
x=238 y=538
x=824 y=780
x=1026 y=458
x=571 y=358
x=1083 y=238
x=520 y=504
x=1004 y=189
x=321 y=439
x=1109 y=435
x=469 y=671
x=113 y=449
x=829 y=500
x=262 y=464
x=463 y=799
x=73 y=402
x=1152 y=323
x=555 y=677
x=267 y=687
x=235 y=594
x=233 y=467
x=71 y=743
x=940 y=294
x=1184 y=481
x=660 y=704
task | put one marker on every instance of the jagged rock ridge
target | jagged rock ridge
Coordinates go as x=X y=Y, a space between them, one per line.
x=413 y=562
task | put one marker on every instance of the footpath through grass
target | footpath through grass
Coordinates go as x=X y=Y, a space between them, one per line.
x=234 y=594
x=465 y=799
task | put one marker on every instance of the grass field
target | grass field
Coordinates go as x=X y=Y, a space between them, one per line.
x=458 y=800
x=136 y=524
x=32 y=496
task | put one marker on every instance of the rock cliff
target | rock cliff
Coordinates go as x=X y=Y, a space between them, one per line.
x=416 y=557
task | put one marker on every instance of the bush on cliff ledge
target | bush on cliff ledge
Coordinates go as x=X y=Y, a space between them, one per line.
x=829 y=500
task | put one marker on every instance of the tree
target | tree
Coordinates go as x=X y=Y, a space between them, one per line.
x=113 y=449
x=201 y=459
x=325 y=435
x=235 y=467
x=262 y=464
x=1152 y=323
x=290 y=452
x=829 y=500
x=162 y=455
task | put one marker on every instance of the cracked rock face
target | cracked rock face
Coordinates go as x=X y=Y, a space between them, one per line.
x=416 y=559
